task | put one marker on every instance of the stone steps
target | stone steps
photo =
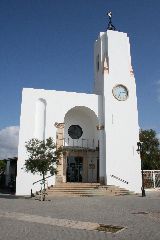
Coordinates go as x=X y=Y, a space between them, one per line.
x=85 y=189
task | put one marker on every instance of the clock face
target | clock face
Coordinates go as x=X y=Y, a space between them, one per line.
x=120 y=92
x=75 y=131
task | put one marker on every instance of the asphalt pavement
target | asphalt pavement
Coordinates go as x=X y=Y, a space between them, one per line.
x=78 y=217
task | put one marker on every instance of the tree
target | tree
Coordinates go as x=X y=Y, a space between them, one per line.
x=43 y=157
x=2 y=166
x=151 y=149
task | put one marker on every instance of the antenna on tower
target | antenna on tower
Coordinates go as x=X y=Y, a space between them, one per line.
x=110 y=25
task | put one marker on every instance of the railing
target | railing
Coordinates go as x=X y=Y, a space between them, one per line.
x=151 y=178
x=42 y=180
x=81 y=143
x=43 y=190
x=119 y=179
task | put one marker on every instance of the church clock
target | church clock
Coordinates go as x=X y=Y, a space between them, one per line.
x=120 y=92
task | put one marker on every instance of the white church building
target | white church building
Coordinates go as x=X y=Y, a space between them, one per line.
x=98 y=131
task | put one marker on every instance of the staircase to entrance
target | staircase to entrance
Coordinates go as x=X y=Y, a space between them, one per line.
x=84 y=190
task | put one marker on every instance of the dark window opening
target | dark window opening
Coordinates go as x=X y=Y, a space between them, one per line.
x=75 y=131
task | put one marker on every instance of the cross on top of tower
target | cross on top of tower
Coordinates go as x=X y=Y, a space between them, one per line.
x=110 y=25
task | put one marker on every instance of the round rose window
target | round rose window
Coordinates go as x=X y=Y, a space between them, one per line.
x=75 y=131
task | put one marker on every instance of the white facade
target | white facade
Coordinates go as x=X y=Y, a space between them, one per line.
x=109 y=126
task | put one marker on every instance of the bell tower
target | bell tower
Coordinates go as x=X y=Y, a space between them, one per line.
x=120 y=163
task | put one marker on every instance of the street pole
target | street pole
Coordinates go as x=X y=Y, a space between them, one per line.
x=140 y=151
x=143 y=190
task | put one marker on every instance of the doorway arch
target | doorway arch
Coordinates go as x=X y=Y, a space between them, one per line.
x=81 y=158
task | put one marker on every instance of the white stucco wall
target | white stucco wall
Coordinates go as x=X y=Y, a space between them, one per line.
x=57 y=105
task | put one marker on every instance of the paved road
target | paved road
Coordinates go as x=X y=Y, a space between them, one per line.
x=76 y=218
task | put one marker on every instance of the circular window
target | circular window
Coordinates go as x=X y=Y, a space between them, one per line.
x=75 y=131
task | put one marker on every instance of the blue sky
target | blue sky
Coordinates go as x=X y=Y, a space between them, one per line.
x=49 y=44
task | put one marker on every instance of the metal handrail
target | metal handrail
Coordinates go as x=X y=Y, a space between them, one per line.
x=120 y=179
x=83 y=143
x=41 y=180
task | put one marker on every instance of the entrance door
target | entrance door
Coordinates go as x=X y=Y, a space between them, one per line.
x=74 y=169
